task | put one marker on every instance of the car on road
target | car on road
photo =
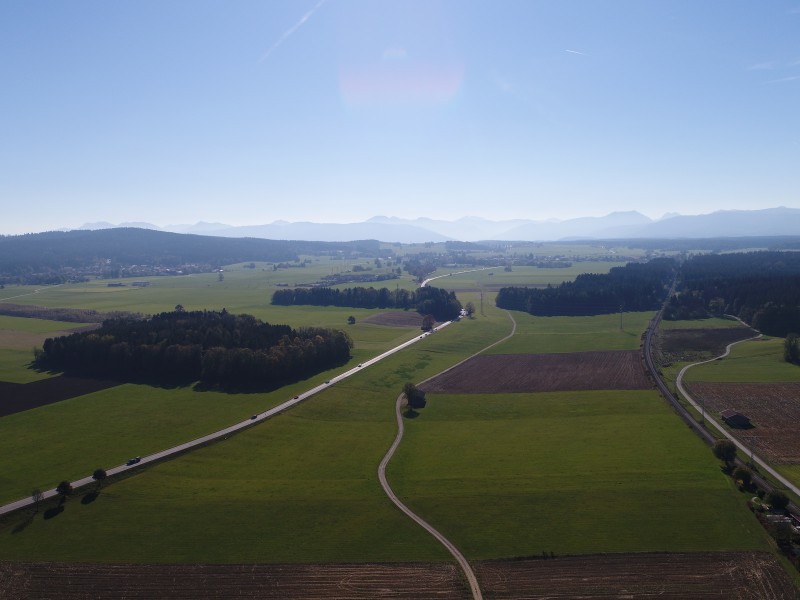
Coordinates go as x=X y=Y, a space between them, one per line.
x=133 y=461
x=327 y=381
x=296 y=397
x=253 y=417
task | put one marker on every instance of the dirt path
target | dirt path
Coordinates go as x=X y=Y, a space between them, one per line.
x=462 y=561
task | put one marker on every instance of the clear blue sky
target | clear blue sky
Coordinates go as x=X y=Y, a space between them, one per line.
x=246 y=112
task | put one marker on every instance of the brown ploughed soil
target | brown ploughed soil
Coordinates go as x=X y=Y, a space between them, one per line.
x=773 y=409
x=674 y=576
x=689 y=345
x=396 y=318
x=16 y=397
x=508 y=373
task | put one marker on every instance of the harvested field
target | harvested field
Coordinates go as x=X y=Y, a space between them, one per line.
x=686 y=345
x=16 y=397
x=773 y=408
x=685 y=576
x=509 y=373
x=396 y=318
x=32 y=581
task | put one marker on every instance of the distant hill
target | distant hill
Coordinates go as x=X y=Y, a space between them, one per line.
x=50 y=257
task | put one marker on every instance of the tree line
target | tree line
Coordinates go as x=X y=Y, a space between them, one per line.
x=440 y=303
x=633 y=287
x=761 y=288
x=216 y=348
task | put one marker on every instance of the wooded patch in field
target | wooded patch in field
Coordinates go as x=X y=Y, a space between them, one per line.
x=508 y=373
x=773 y=408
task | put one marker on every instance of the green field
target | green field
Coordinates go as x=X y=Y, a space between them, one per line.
x=541 y=335
x=513 y=475
x=503 y=475
x=711 y=323
x=752 y=361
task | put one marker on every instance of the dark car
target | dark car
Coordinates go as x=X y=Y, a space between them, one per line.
x=254 y=417
x=133 y=461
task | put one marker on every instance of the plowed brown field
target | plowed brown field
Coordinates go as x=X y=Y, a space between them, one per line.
x=695 y=576
x=730 y=575
x=396 y=318
x=37 y=581
x=16 y=397
x=773 y=408
x=509 y=373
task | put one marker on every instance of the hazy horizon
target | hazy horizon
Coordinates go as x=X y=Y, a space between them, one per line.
x=334 y=111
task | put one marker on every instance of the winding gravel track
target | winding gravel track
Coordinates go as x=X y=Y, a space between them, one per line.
x=462 y=561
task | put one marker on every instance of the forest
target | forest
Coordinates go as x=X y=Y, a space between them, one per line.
x=439 y=303
x=634 y=287
x=761 y=288
x=218 y=349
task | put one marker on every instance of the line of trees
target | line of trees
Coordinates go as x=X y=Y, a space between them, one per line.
x=440 y=303
x=216 y=348
x=636 y=286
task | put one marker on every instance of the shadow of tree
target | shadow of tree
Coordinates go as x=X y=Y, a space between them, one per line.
x=90 y=497
x=53 y=512
x=410 y=413
x=22 y=525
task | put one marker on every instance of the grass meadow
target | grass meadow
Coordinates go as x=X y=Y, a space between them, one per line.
x=540 y=335
x=503 y=475
x=752 y=361
x=569 y=472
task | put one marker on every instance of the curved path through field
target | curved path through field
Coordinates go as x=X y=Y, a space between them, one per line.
x=462 y=561
x=701 y=409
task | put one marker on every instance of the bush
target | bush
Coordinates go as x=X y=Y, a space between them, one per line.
x=777 y=500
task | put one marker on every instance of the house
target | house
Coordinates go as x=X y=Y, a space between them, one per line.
x=735 y=419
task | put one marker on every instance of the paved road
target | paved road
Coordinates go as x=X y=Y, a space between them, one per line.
x=175 y=450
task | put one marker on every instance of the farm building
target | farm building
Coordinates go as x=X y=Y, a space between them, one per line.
x=735 y=419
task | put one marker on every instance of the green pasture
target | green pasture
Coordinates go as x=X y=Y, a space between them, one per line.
x=18 y=337
x=572 y=473
x=69 y=439
x=710 y=323
x=755 y=361
x=301 y=487
x=496 y=277
x=538 y=335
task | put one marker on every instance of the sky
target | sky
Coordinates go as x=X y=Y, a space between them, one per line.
x=248 y=112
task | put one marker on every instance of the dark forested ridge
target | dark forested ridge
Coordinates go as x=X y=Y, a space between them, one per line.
x=761 y=288
x=216 y=348
x=53 y=257
x=634 y=287
x=440 y=303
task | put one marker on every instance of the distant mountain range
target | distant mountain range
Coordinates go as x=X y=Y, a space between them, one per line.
x=616 y=225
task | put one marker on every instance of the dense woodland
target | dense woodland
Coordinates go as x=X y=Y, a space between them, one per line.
x=215 y=348
x=634 y=287
x=761 y=288
x=56 y=256
x=440 y=303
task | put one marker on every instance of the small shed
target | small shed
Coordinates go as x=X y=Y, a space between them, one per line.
x=735 y=419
